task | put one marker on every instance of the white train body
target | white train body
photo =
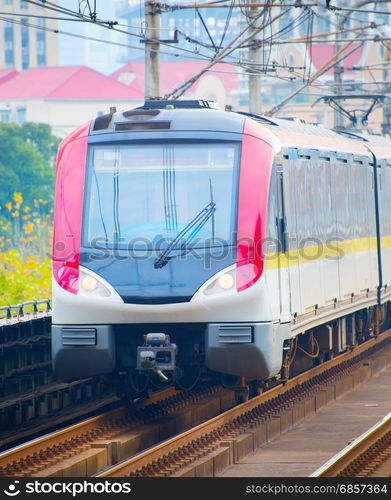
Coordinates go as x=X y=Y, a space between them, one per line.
x=311 y=216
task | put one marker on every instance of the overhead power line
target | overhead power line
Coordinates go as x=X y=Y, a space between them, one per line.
x=111 y=26
x=333 y=61
x=231 y=47
x=366 y=11
x=199 y=57
x=217 y=53
x=173 y=7
x=55 y=18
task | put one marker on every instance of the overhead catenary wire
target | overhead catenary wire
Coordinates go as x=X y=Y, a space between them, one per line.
x=177 y=92
x=366 y=11
x=215 y=5
x=199 y=56
x=227 y=22
x=375 y=39
x=347 y=84
x=182 y=88
x=110 y=25
x=84 y=37
x=228 y=58
x=335 y=59
x=54 y=18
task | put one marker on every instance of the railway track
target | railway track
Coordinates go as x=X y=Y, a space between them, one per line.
x=367 y=456
x=30 y=400
x=87 y=447
x=208 y=448
x=101 y=445
x=25 y=347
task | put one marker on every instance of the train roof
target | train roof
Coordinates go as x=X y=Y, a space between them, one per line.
x=298 y=134
x=190 y=115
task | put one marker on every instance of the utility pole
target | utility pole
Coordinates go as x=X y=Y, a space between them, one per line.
x=338 y=74
x=255 y=103
x=386 y=126
x=339 y=69
x=152 y=49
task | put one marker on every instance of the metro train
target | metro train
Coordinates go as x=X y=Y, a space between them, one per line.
x=191 y=242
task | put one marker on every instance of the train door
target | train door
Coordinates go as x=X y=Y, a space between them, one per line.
x=375 y=211
x=290 y=182
x=282 y=235
x=344 y=226
x=309 y=249
x=328 y=219
x=385 y=217
x=382 y=198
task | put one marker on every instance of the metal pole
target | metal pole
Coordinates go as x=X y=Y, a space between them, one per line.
x=255 y=58
x=338 y=74
x=152 y=48
x=386 y=126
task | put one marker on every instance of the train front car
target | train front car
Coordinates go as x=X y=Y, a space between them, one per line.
x=160 y=215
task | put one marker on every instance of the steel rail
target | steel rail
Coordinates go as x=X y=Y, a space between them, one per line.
x=74 y=431
x=145 y=458
x=355 y=450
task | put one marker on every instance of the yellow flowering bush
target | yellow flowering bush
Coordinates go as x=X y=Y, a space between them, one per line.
x=25 y=240
x=28 y=230
x=22 y=280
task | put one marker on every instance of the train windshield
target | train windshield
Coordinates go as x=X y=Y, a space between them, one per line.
x=144 y=196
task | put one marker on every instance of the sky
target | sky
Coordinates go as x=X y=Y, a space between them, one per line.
x=99 y=56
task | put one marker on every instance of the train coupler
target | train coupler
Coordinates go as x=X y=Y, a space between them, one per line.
x=157 y=354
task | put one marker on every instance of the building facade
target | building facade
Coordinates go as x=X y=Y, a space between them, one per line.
x=24 y=43
x=63 y=97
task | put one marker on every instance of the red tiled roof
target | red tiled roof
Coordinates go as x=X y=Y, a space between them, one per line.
x=68 y=82
x=321 y=53
x=173 y=73
x=7 y=74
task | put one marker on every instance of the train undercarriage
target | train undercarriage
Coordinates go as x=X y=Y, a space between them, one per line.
x=186 y=368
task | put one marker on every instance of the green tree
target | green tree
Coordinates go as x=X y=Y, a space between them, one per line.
x=40 y=136
x=27 y=157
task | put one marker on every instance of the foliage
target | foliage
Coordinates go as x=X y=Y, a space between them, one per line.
x=26 y=228
x=27 y=158
x=40 y=136
x=23 y=279
x=27 y=155
x=25 y=268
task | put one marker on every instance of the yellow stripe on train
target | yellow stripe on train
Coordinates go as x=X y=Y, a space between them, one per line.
x=332 y=250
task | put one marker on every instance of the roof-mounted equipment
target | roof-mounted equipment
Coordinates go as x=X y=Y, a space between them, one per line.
x=177 y=104
x=358 y=117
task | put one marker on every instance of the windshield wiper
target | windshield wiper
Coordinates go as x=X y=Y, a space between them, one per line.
x=196 y=224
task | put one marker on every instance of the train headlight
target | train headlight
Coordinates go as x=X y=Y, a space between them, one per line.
x=89 y=283
x=94 y=286
x=226 y=281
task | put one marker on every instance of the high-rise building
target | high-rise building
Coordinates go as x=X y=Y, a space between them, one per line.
x=91 y=45
x=24 y=43
x=221 y=25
